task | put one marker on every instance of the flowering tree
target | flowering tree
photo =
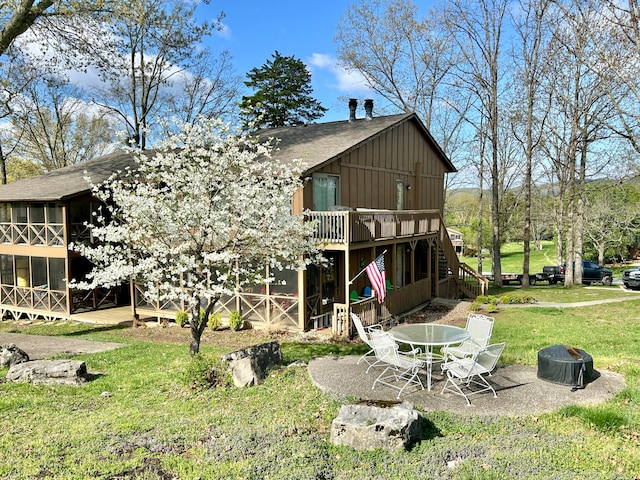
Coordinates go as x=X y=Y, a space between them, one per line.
x=199 y=218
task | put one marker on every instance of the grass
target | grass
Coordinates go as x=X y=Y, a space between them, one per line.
x=151 y=423
x=561 y=294
x=511 y=258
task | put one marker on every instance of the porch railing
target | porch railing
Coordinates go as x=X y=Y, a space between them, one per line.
x=345 y=227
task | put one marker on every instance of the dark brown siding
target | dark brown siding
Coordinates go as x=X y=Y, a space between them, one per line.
x=368 y=173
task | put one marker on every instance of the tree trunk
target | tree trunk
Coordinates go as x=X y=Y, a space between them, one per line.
x=198 y=323
x=3 y=167
x=480 y=206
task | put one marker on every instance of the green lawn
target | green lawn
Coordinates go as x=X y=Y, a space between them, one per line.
x=511 y=258
x=153 y=425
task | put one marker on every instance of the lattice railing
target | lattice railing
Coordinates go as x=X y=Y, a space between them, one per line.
x=51 y=235
x=34 y=298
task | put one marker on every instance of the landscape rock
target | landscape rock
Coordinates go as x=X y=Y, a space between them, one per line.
x=367 y=427
x=11 y=355
x=250 y=366
x=47 y=372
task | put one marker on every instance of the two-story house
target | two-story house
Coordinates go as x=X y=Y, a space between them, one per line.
x=372 y=185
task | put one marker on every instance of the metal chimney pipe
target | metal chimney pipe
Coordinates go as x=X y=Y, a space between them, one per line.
x=368 y=108
x=353 y=104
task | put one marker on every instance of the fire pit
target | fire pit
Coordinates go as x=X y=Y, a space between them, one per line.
x=565 y=366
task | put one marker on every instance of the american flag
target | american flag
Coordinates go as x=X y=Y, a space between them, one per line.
x=378 y=277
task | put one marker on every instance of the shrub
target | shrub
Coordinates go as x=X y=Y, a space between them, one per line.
x=487 y=299
x=513 y=298
x=475 y=306
x=182 y=318
x=204 y=372
x=491 y=308
x=235 y=320
x=214 y=321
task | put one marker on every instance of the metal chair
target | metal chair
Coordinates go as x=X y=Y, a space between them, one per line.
x=480 y=328
x=401 y=367
x=365 y=335
x=467 y=372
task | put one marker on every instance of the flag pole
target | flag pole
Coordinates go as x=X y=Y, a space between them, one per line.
x=363 y=270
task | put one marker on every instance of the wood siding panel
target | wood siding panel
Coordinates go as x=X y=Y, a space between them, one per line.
x=368 y=173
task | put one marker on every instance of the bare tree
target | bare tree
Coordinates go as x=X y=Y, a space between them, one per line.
x=151 y=43
x=532 y=107
x=407 y=60
x=209 y=89
x=477 y=27
x=616 y=39
x=582 y=104
x=54 y=130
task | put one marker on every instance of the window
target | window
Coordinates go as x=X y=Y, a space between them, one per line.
x=6 y=270
x=39 y=272
x=5 y=213
x=56 y=274
x=19 y=213
x=54 y=213
x=326 y=191
x=400 y=189
x=36 y=213
x=23 y=272
x=285 y=281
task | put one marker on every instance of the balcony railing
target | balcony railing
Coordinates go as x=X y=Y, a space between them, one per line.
x=345 y=227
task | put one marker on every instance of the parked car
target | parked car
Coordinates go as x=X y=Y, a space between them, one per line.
x=631 y=278
x=591 y=273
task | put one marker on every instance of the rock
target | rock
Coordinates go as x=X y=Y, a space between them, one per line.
x=366 y=427
x=11 y=355
x=47 y=372
x=251 y=365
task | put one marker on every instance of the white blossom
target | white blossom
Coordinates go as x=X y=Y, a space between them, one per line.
x=198 y=218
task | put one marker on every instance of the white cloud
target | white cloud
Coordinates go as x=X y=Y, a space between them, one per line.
x=224 y=31
x=345 y=81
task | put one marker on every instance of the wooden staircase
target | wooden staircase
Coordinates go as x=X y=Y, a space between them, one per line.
x=468 y=282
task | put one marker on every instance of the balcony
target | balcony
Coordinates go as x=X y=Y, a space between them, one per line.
x=347 y=227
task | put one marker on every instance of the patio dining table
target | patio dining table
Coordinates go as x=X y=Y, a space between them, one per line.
x=429 y=336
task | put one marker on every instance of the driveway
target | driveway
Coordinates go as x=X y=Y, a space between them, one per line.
x=39 y=347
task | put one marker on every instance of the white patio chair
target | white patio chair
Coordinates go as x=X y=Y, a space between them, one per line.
x=402 y=367
x=467 y=372
x=365 y=334
x=480 y=327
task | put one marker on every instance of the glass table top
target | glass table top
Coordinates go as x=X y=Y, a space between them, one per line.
x=429 y=334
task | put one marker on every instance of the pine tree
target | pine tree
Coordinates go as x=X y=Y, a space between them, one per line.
x=283 y=94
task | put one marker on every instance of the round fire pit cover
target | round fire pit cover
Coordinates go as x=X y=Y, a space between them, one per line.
x=565 y=366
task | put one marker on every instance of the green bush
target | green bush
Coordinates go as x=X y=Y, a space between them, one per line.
x=491 y=308
x=475 y=306
x=182 y=318
x=235 y=320
x=515 y=298
x=214 y=321
x=487 y=299
x=204 y=372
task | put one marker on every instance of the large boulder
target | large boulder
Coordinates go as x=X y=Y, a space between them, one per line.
x=250 y=366
x=11 y=355
x=367 y=427
x=46 y=372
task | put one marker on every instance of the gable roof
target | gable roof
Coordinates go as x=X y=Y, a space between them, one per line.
x=318 y=143
x=66 y=182
x=314 y=144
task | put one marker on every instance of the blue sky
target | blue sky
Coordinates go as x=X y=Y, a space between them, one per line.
x=254 y=30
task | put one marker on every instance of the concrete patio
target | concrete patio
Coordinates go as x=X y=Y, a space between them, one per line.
x=519 y=390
